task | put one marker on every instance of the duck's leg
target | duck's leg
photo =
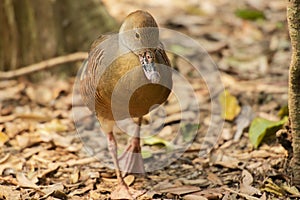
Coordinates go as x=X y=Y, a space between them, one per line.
x=122 y=191
x=131 y=160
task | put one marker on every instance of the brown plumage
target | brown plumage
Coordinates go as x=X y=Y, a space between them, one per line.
x=126 y=75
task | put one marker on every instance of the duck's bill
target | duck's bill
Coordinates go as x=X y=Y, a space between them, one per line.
x=149 y=68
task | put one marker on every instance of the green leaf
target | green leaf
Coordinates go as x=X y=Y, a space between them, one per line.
x=230 y=106
x=249 y=14
x=154 y=140
x=260 y=127
x=189 y=131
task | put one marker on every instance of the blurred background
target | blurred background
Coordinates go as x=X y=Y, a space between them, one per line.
x=241 y=36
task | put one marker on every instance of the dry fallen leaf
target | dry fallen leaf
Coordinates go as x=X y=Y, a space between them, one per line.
x=129 y=179
x=243 y=121
x=41 y=95
x=11 y=92
x=214 y=178
x=3 y=138
x=51 y=168
x=180 y=190
x=198 y=181
x=27 y=139
x=230 y=106
x=219 y=158
x=74 y=178
x=245 y=186
x=25 y=182
x=8 y=192
x=50 y=189
x=12 y=162
x=194 y=197
x=211 y=193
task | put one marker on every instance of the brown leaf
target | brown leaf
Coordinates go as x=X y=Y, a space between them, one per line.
x=198 y=181
x=50 y=189
x=13 y=162
x=11 y=92
x=27 y=140
x=211 y=193
x=194 y=196
x=95 y=195
x=243 y=121
x=8 y=83
x=57 y=139
x=16 y=127
x=219 y=158
x=129 y=179
x=4 y=158
x=60 y=86
x=82 y=190
x=214 y=178
x=39 y=117
x=75 y=176
x=82 y=161
x=7 y=118
x=25 y=182
x=180 y=190
x=52 y=168
x=245 y=186
x=9 y=192
x=41 y=95
x=261 y=154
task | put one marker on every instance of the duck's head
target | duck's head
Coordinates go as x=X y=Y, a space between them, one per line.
x=139 y=33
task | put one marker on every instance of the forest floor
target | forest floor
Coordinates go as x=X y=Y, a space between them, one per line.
x=52 y=150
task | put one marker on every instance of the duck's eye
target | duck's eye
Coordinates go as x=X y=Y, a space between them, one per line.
x=137 y=35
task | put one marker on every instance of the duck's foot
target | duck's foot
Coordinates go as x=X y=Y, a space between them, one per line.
x=131 y=160
x=123 y=192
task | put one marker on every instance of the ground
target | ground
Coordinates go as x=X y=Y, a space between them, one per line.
x=50 y=150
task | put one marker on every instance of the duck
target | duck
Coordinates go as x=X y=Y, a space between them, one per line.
x=126 y=75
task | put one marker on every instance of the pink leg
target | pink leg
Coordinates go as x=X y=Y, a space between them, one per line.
x=131 y=160
x=122 y=190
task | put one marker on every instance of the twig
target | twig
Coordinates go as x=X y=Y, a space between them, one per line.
x=44 y=65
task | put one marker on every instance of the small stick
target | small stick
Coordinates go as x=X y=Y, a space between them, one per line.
x=44 y=65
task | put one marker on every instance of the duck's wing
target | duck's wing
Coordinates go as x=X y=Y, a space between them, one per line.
x=103 y=49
